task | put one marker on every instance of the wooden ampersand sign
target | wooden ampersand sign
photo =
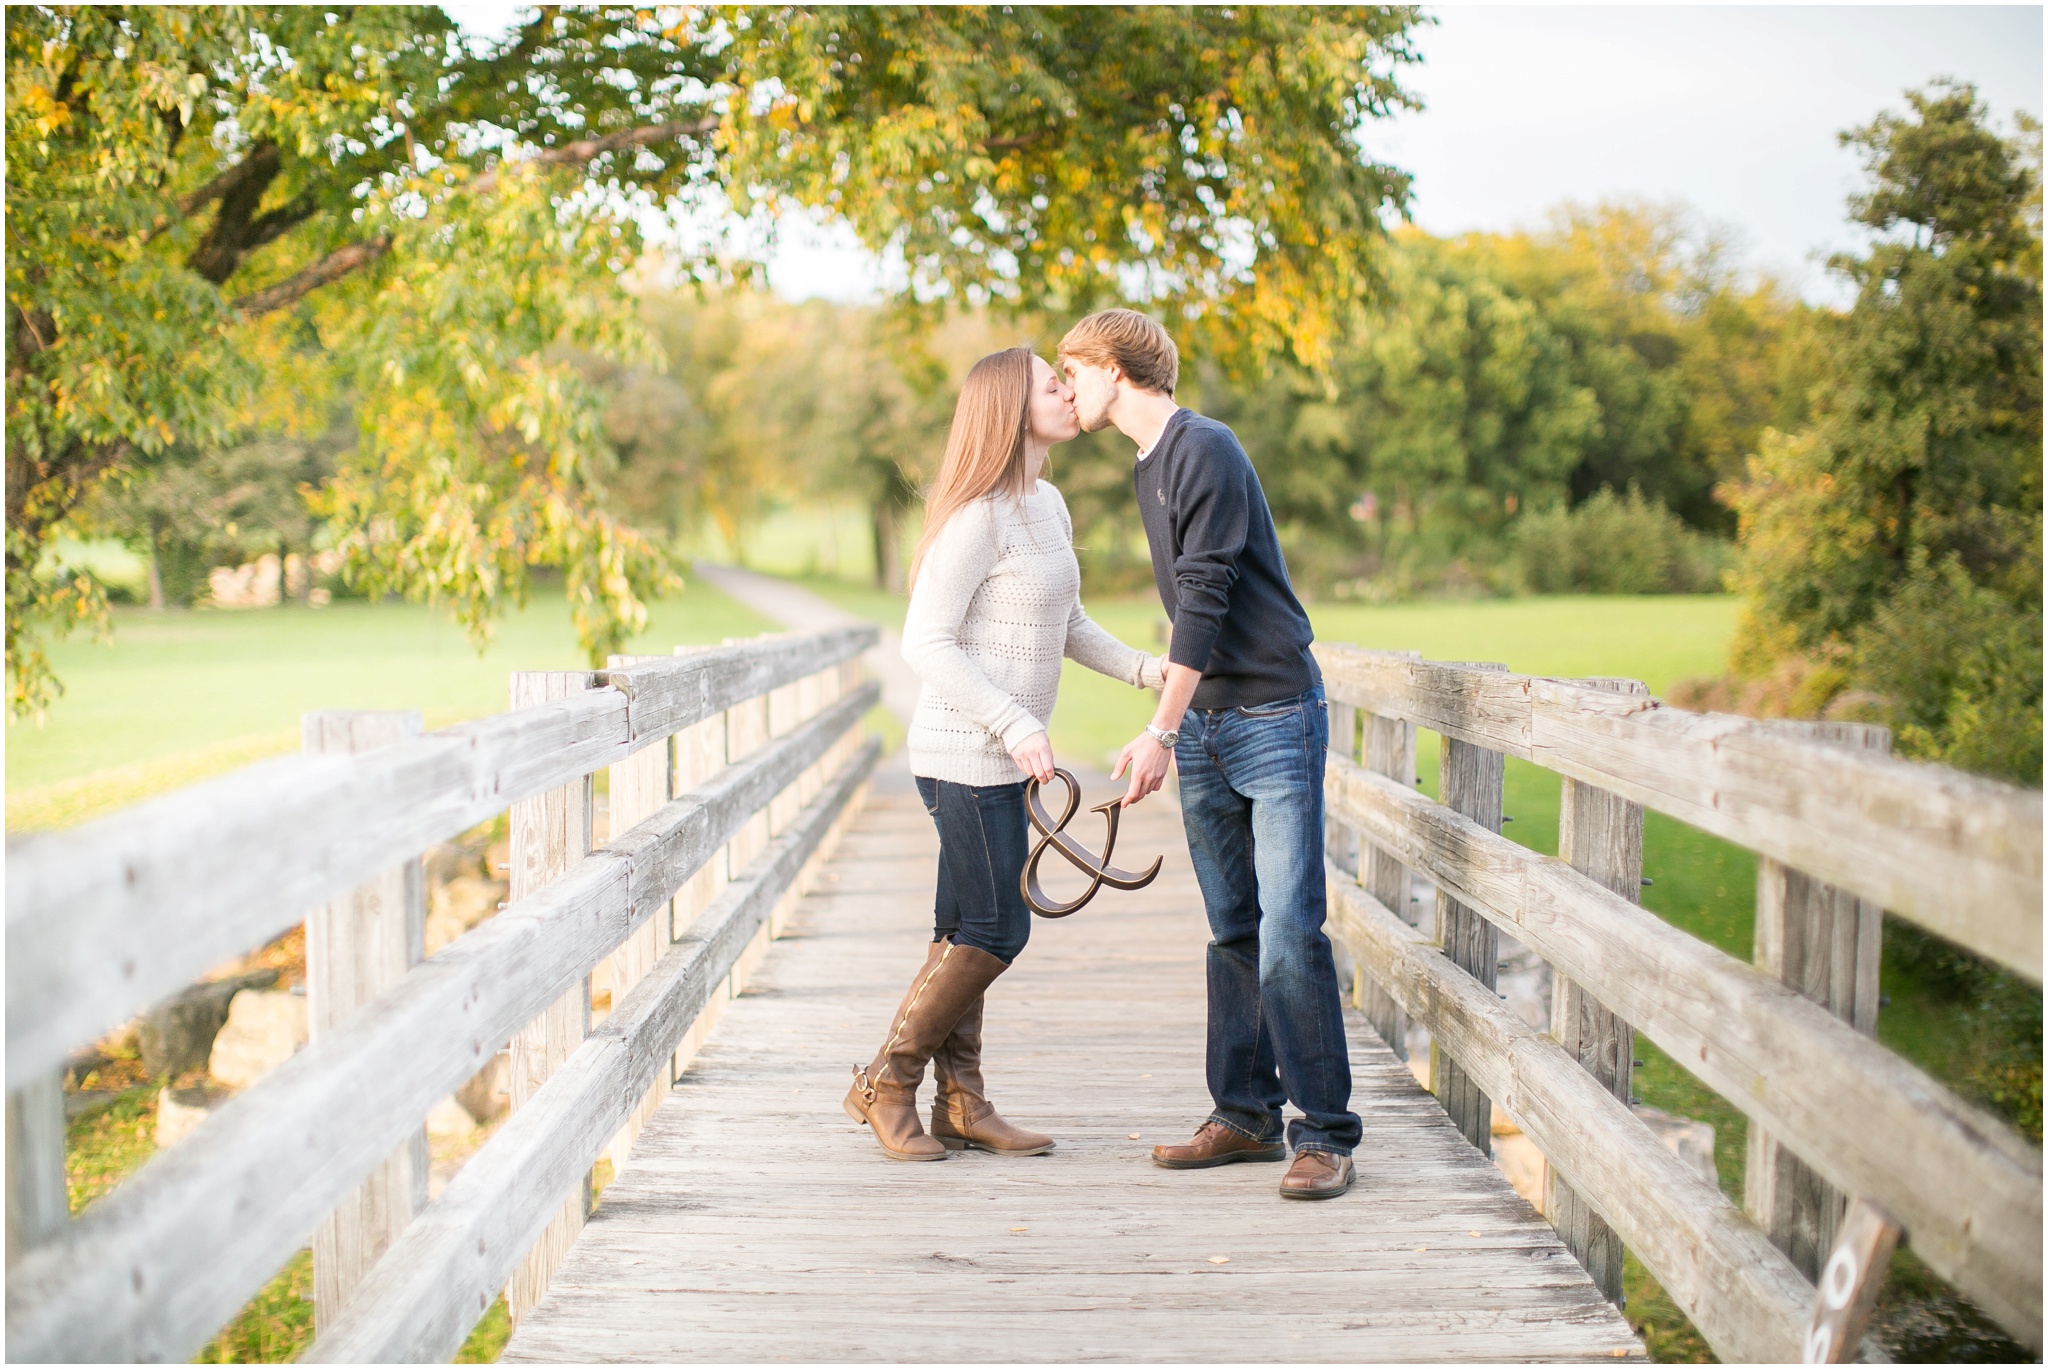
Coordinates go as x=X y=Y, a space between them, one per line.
x=1053 y=836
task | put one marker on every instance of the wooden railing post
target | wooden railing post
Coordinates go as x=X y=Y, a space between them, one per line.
x=1473 y=783
x=37 y=1201
x=1600 y=835
x=550 y=834
x=1389 y=751
x=640 y=785
x=356 y=948
x=1341 y=843
x=1825 y=943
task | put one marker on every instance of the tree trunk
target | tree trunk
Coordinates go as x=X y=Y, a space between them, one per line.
x=156 y=568
x=888 y=545
x=284 y=581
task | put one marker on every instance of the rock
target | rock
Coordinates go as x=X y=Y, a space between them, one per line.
x=1690 y=1141
x=262 y=1031
x=450 y=1118
x=180 y=1111
x=488 y=1093
x=177 y=1034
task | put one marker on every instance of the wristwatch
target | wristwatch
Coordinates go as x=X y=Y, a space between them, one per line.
x=1166 y=739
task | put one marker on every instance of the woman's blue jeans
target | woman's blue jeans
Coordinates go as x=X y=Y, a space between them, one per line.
x=1251 y=797
x=984 y=838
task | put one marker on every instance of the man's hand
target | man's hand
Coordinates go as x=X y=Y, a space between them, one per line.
x=1034 y=757
x=1147 y=761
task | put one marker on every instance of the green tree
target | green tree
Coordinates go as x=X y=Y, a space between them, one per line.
x=205 y=201
x=1897 y=538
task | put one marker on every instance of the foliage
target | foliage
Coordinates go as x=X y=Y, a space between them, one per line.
x=1610 y=545
x=209 y=208
x=1899 y=533
x=1496 y=379
x=180 y=180
x=1061 y=158
x=106 y=1145
x=189 y=512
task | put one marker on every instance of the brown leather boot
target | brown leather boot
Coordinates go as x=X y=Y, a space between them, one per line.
x=962 y=1116
x=884 y=1095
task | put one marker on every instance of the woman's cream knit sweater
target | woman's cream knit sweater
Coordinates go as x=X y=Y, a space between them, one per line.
x=996 y=605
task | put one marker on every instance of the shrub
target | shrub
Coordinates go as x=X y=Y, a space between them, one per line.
x=1958 y=670
x=1616 y=545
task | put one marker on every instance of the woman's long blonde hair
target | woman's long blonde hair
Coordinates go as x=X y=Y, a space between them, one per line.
x=985 y=448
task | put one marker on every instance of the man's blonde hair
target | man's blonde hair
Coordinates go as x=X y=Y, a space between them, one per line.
x=1129 y=340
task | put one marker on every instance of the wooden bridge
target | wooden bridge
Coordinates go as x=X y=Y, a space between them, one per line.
x=760 y=898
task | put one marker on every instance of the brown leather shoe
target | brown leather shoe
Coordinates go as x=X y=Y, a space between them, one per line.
x=962 y=1116
x=884 y=1095
x=1317 y=1174
x=1216 y=1144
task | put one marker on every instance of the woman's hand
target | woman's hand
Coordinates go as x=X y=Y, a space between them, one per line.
x=1034 y=757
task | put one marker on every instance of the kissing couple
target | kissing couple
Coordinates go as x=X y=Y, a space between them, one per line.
x=994 y=607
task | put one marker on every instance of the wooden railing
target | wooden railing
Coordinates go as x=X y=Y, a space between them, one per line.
x=731 y=770
x=1842 y=831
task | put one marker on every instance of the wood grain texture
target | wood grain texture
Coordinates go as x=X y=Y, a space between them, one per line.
x=358 y=946
x=159 y=1264
x=184 y=882
x=38 y=1207
x=430 y=1291
x=1966 y=1185
x=1389 y=746
x=1601 y=836
x=1745 y=1297
x=1472 y=780
x=1823 y=943
x=551 y=833
x=1959 y=854
x=1850 y=1282
x=757 y=1223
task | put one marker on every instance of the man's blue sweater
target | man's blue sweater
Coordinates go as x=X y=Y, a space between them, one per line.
x=1216 y=558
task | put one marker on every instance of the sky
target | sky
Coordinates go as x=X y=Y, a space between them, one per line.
x=1733 y=110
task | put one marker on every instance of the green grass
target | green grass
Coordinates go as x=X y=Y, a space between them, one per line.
x=177 y=696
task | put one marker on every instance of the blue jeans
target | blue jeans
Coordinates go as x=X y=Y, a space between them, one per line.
x=984 y=838
x=1251 y=796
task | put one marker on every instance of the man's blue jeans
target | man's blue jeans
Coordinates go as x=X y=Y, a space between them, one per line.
x=1251 y=796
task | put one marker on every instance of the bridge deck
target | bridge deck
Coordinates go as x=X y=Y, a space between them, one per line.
x=755 y=1222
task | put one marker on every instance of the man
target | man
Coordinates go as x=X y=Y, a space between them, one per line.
x=1243 y=716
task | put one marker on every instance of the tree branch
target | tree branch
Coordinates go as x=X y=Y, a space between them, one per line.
x=340 y=262
x=264 y=160
x=1010 y=144
x=587 y=150
x=354 y=257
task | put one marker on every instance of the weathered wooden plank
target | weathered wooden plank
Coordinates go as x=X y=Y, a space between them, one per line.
x=184 y=882
x=156 y=1266
x=1966 y=1185
x=727 y=1238
x=1473 y=782
x=1338 y=840
x=1390 y=751
x=665 y=696
x=1849 y=1284
x=551 y=834
x=640 y=785
x=37 y=1203
x=1959 y=854
x=1746 y=1298
x=1824 y=944
x=435 y=1284
x=358 y=946
x=1601 y=836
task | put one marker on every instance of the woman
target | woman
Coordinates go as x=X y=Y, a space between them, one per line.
x=994 y=604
